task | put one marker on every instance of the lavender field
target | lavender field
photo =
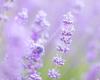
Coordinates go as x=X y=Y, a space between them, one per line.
x=49 y=39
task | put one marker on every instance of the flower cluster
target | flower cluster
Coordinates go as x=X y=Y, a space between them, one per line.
x=66 y=33
x=22 y=16
x=37 y=38
x=58 y=60
x=34 y=76
x=40 y=28
x=53 y=73
x=67 y=29
x=33 y=61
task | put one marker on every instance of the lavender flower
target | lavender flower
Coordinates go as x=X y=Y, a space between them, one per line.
x=33 y=61
x=53 y=74
x=41 y=19
x=22 y=16
x=40 y=28
x=94 y=73
x=34 y=76
x=16 y=48
x=37 y=52
x=58 y=60
x=68 y=18
x=65 y=42
x=66 y=33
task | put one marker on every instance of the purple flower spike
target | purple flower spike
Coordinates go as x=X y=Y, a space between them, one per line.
x=64 y=42
x=33 y=61
x=40 y=28
x=53 y=74
x=66 y=33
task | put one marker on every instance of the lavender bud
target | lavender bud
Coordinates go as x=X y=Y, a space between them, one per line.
x=37 y=52
x=40 y=17
x=68 y=18
x=63 y=49
x=32 y=60
x=58 y=60
x=53 y=74
x=40 y=28
x=38 y=49
x=35 y=76
x=22 y=16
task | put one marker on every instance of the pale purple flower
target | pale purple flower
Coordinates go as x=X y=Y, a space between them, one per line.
x=40 y=28
x=68 y=18
x=94 y=73
x=16 y=48
x=54 y=74
x=17 y=40
x=8 y=4
x=34 y=76
x=33 y=61
x=66 y=33
x=41 y=18
x=58 y=60
x=37 y=52
x=22 y=16
x=64 y=42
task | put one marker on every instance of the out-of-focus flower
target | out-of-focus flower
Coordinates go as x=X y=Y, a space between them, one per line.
x=58 y=60
x=40 y=28
x=94 y=73
x=3 y=17
x=8 y=4
x=54 y=74
x=66 y=33
x=33 y=61
x=22 y=17
x=67 y=27
x=35 y=76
